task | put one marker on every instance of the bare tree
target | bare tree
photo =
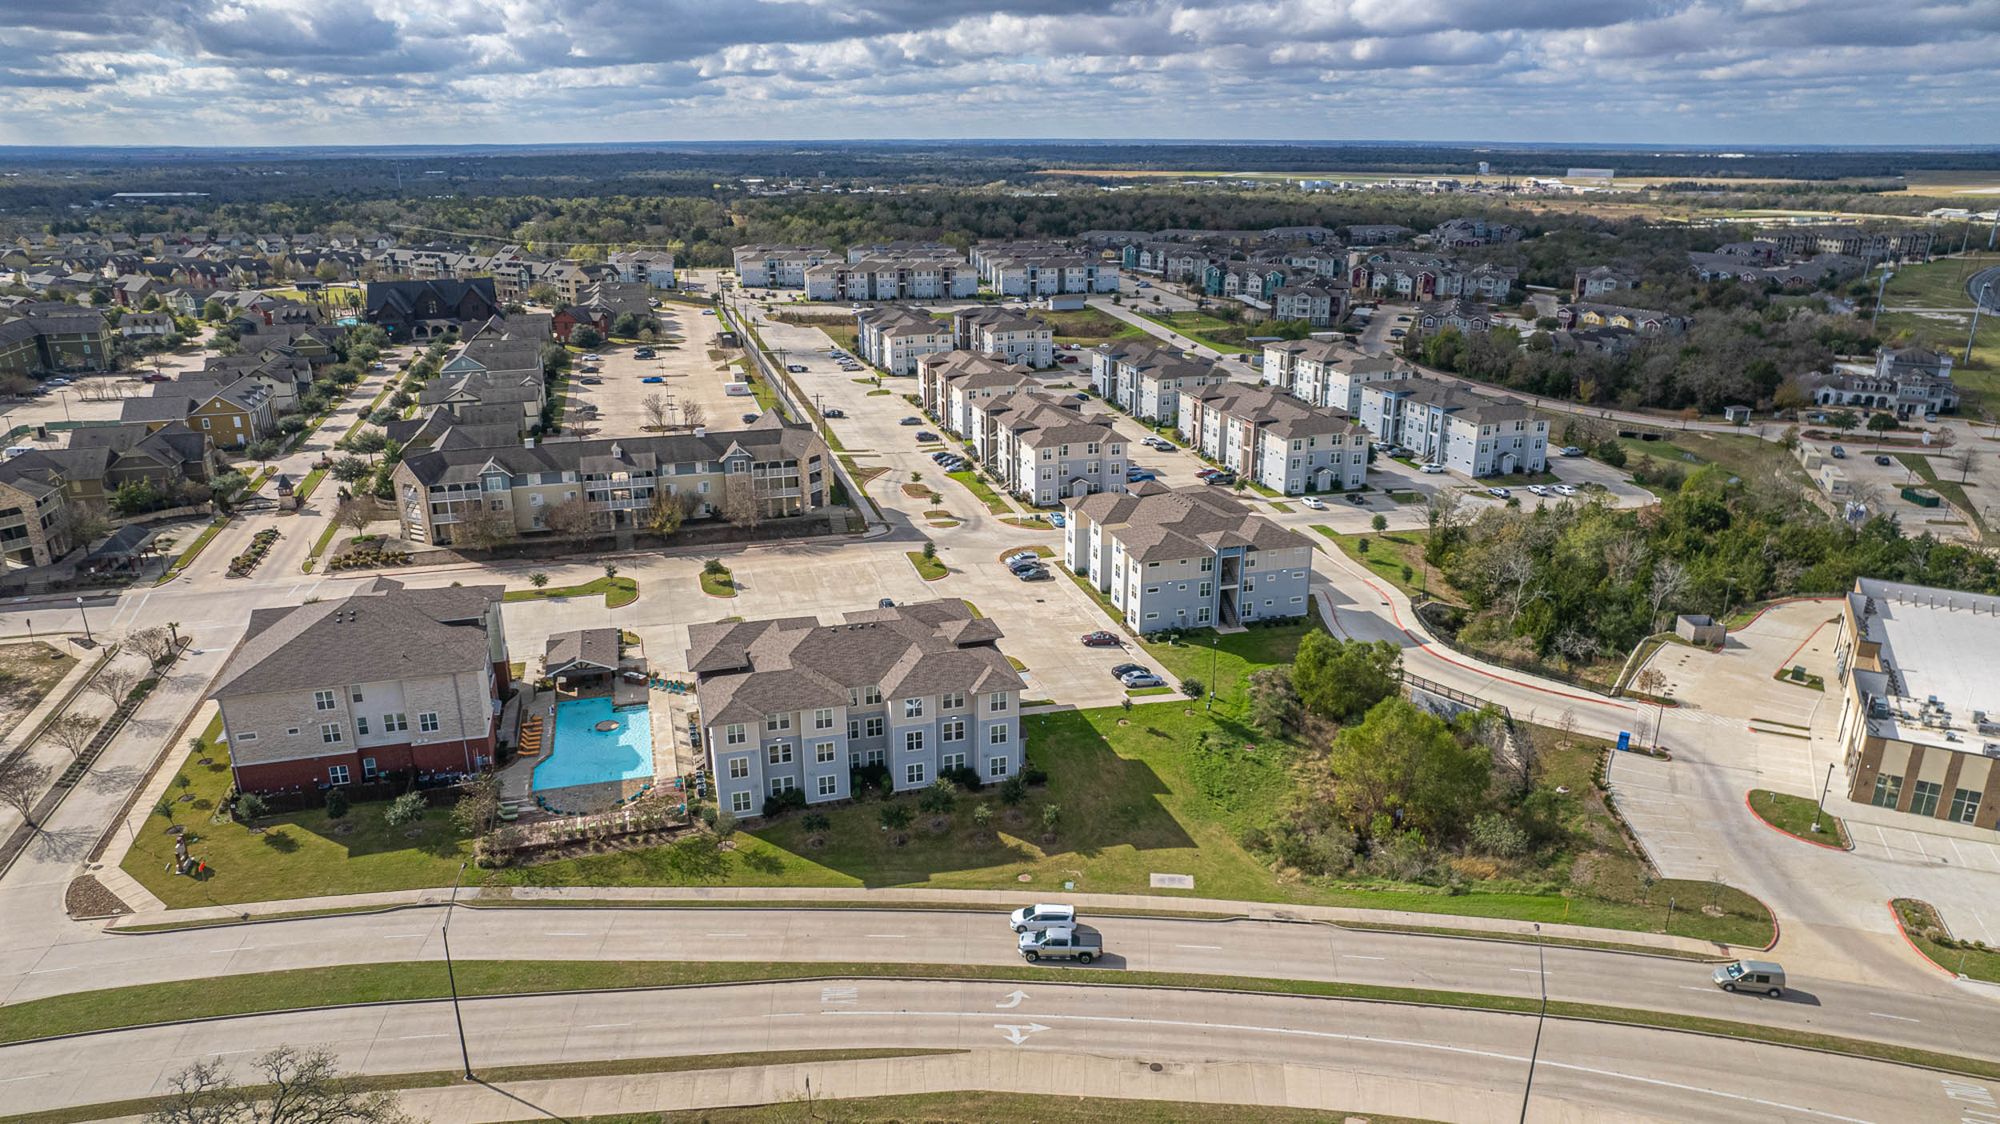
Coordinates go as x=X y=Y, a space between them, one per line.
x=1521 y=576
x=574 y=519
x=1961 y=461
x=482 y=528
x=1625 y=556
x=74 y=732
x=693 y=414
x=114 y=683
x=1670 y=583
x=156 y=644
x=299 y=1087
x=355 y=514
x=656 y=412
x=22 y=782
x=739 y=500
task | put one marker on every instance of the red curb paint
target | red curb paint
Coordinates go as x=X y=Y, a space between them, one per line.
x=1801 y=647
x=1781 y=831
x=1898 y=918
x=1782 y=601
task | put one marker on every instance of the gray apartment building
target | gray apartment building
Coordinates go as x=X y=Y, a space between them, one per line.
x=1005 y=334
x=1467 y=433
x=1324 y=373
x=1040 y=447
x=949 y=383
x=791 y=703
x=1274 y=439
x=896 y=339
x=1188 y=558
x=1145 y=379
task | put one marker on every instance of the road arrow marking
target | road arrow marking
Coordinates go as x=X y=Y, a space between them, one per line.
x=1013 y=1000
x=1016 y=1033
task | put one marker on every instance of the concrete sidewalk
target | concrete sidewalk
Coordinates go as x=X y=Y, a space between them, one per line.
x=863 y=898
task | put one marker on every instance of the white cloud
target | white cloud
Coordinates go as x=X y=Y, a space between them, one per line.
x=345 y=71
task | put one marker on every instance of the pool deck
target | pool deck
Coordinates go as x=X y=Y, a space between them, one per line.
x=517 y=777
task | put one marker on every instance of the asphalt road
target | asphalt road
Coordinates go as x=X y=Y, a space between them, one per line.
x=1462 y=1065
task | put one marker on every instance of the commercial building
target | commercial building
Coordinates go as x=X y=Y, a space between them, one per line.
x=385 y=681
x=1907 y=381
x=916 y=690
x=1467 y=433
x=894 y=339
x=1192 y=558
x=1145 y=379
x=1919 y=675
x=1275 y=440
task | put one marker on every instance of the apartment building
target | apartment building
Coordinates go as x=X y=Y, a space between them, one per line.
x=895 y=339
x=1323 y=373
x=792 y=704
x=34 y=514
x=1598 y=280
x=784 y=470
x=892 y=279
x=1145 y=379
x=644 y=267
x=1852 y=241
x=1040 y=447
x=1907 y=381
x=1419 y=276
x=1275 y=440
x=1444 y=425
x=50 y=337
x=1919 y=717
x=386 y=681
x=1042 y=269
x=1005 y=334
x=948 y=383
x=1318 y=305
x=778 y=267
x=1189 y=558
x=1645 y=321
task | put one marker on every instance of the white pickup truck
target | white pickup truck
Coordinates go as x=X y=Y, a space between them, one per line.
x=1062 y=942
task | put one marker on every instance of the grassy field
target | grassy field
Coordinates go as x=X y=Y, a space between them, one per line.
x=1223 y=662
x=28 y=672
x=930 y=569
x=983 y=492
x=1920 y=923
x=1952 y=491
x=1089 y=327
x=618 y=592
x=1202 y=328
x=1387 y=555
x=1941 y=285
x=1794 y=815
x=1744 y=455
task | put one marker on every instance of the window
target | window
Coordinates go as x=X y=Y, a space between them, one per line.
x=779 y=754
x=322 y=700
x=361 y=725
x=913 y=741
x=853 y=728
x=739 y=767
x=1207 y=565
x=292 y=732
x=829 y=785
x=739 y=803
x=732 y=734
x=329 y=734
x=354 y=694
x=823 y=719
x=872 y=728
x=996 y=766
x=778 y=722
x=951 y=761
x=782 y=784
x=954 y=701
x=997 y=702
x=367 y=768
x=1205 y=590
x=427 y=722
x=1964 y=804
x=913 y=708
x=1924 y=798
x=913 y=773
x=953 y=730
x=997 y=735
x=871 y=696
x=336 y=774
x=823 y=752
x=1888 y=791
x=869 y=757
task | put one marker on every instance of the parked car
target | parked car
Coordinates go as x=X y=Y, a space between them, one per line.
x=1205 y=473
x=1144 y=285
x=912 y=420
x=1033 y=574
x=1314 y=503
x=1102 y=639
x=1538 y=489
x=644 y=353
x=1058 y=520
x=1498 y=493
x=654 y=378
x=157 y=377
x=1022 y=556
x=590 y=357
x=1881 y=459
x=591 y=380
x=1223 y=478
x=1432 y=469
x=1065 y=358
x=1032 y=562
x=748 y=418
x=1750 y=975
x=1139 y=679
x=1839 y=453
x=1571 y=451
x=1565 y=489
x=1138 y=474
x=885 y=603
x=1035 y=918
x=1064 y=942
x=1356 y=499
x=1124 y=669
x=1396 y=333
x=588 y=369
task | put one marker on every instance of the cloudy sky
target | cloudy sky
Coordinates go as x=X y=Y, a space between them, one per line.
x=233 y=72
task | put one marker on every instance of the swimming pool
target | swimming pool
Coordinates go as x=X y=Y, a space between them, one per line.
x=582 y=754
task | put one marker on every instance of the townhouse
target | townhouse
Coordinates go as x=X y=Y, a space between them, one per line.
x=1907 y=381
x=387 y=681
x=1275 y=440
x=914 y=692
x=780 y=470
x=1323 y=373
x=1145 y=379
x=895 y=339
x=1460 y=315
x=1420 y=276
x=1443 y=424
x=1041 y=447
x=892 y=279
x=778 y=267
x=1188 y=558
x=949 y=382
x=1005 y=334
x=1645 y=321
x=1598 y=280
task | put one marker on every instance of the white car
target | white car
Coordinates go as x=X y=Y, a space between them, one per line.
x=592 y=357
x=1314 y=502
x=1035 y=918
x=1538 y=489
x=1565 y=489
x=1432 y=469
x=1498 y=493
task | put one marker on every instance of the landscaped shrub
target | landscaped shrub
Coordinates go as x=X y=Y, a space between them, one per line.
x=867 y=778
x=336 y=804
x=778 y=803
x=965 y=778
x=405 y=809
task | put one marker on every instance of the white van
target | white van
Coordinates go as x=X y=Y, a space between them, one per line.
x=1035 y=918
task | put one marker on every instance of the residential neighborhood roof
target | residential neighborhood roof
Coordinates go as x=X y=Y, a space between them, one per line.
x=589 y=648
x=1190 y=522
x=382 y=631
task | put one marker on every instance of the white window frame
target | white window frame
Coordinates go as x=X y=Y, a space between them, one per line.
x=823 y=752
x=913 y=741
x=739 y=768
x=330 y=734
x=739 y=802
x=778 y=753
x=998 y=735
x=324 y=700
x=336 y=775
x=427 y=722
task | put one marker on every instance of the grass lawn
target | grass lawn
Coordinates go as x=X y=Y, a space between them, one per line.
x=1921 y=924
x=1223 y=662
x=1089 y=327
x=983 y=492
x=719 y=584
x=618 y=592
x=930 y=569
x=319 y=545
x=194 y=550
x=1387 y=554
x=28 y=672
x=1744 y=455
x=1952 y=491
x=310 y=484
x=1941 y=285
x=1794 y=815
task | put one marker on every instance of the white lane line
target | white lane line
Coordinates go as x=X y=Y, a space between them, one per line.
x=1201 y=947
x=888 y=936
x=1956 y=851
x=1691 y=987
x=604 y=1026
x=227 y=951
x=1919 y=841
x=1528 y=971
x=407 y=1037
x=1898 y=1018
x=404 y=936
x=728 y=934
x=1884 y=837
x=1358 y=956
x=25 y=1077
x=1332 y=1035
x=47 y=971
x=550 y=934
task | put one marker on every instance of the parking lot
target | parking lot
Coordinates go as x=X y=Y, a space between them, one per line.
x=685 y=371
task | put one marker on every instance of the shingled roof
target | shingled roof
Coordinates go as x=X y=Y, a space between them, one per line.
x=1192 y=522
x=383 y=631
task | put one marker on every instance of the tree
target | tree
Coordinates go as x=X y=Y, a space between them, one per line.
x=585 y=336
x=1274 y=702
x=354 y=514
x=156 y=644
x=657 y=411
x=1669 y=585
x=940 y=798
x=894 y=817
x=1843 y=420
x=693 y=414
x=1193 y=688
x=74 y=732
x=478 y=809
x=1342 y=679
x=482 y=528
x=572 y=519
x=405 y=809
x=739 y=500
x=349 y=469
x=368 y=442
x=668 y=511
x=113 y=684
x=1404 y=766
x=250 y=807
x=538 y=579
x=1962 y=460
x=1881 y=423
x=1380 y=522
x=22 y=782
x=297 y=1088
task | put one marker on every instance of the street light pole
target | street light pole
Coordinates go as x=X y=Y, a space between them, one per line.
x=87 y=638
x=1881 y=287
x=1820 y=809
x=451 y=975
x=1541 y=1016
x=1214 y=654
x=1978 y=304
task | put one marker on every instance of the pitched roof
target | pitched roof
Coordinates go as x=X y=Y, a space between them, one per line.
x=1192 y=522
x=383 y=631
x=594 y=647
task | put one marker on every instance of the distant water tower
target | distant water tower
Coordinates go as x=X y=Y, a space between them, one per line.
x=1485 y=169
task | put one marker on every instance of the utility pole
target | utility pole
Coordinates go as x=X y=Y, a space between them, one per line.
x=1541 y=1016
x=88 y=640
x=1880 y=287
x=451 y=975
x=1978 y=303
x=1820 y=809
x=1214 y=655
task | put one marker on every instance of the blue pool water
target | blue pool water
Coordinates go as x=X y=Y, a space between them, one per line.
x=581 y=754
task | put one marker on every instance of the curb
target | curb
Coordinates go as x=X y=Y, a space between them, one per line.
x=1781 y=831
